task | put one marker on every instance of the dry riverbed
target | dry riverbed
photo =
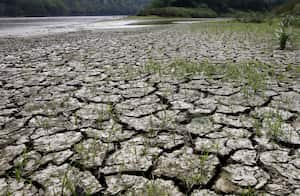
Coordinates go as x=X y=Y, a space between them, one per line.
x=164 y=111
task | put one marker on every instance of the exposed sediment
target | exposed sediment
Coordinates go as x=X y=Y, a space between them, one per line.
x=75 y=117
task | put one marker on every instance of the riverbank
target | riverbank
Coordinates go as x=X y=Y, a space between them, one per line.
x=186 y=109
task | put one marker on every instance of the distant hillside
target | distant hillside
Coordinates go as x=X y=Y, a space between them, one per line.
x=69 y=7
x=204 y=8
x=290 y=7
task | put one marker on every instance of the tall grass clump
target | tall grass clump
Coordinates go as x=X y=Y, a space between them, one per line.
x=284 y=31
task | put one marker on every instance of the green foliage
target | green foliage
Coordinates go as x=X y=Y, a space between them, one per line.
x=250 y=17
x=251 y=75
x=70 y=7
x=180 y=12
x=175 y=7
x=284 y=31
x=274 y=125
x=296 y=9
x=150 y=189
x=289 y=7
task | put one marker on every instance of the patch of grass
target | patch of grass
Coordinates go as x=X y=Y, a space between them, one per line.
x=180 y=12
x=151 y=189
x=67 y=184
x=274 y=124
x=251 y=17
x=254 y=32
x=180 y=68
x=284 y=31
x=218 y=27
x=201 y=175
x=249 y=192
x=20 y=166
x=252 y=75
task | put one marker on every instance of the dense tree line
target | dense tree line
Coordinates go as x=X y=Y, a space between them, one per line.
x=69 y=7
x=218 y=5
x=290 y=7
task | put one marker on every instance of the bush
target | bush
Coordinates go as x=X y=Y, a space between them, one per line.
x=296 y=9
x=284 y=31
x=251 y=17
x=180 y=12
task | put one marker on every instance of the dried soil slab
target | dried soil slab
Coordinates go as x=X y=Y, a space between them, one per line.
x=269 y=112
x=7 y=155
x=246 y=176
x=241 y=99
x=232 y=109
x=232 y=133
x=279 y=161
x=134 y=155
x=91 y=152
x=131 y=104
x=164 y=120
x=147 y=123
x=224 y=90
x=47 y=126
x=57 y=158
x=56 y=179
x=94 y=111
x=202 y=126
x=99 y=95
x=185 y=95
x=64 y=104
x=246 y=157
x=287 y=100
x=204 y=106
x=108 y=131
x=137 y=92
x=183 y=164
x=234 y=121
x=57 y=142
x=136 y=185
x=144 y=110
x=280 y=131
x=204 y=192
x=28 y=161
x=222 y=146
x=11 y=186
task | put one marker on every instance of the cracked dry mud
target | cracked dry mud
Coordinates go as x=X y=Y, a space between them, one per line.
x=75 y=119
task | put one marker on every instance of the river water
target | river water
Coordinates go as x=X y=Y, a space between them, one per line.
x=34 y=26
x=37 y=26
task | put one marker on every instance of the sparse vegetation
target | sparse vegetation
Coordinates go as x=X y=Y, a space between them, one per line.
x=252 y=75
x=180 y=12
x=150 y=189
x=284 y=31
x=274 y=125
x=251 y=17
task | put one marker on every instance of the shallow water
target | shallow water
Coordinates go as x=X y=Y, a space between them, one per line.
x=34 y=26
x=37 y=26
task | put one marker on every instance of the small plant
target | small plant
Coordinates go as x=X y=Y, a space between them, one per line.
x=18 y=172
x=274 y=125
x=249 y=192
x=257 y=127
x=200 y=176
x=20 y=166
x=284 y=31
x=150 y=189
x=67 y=184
